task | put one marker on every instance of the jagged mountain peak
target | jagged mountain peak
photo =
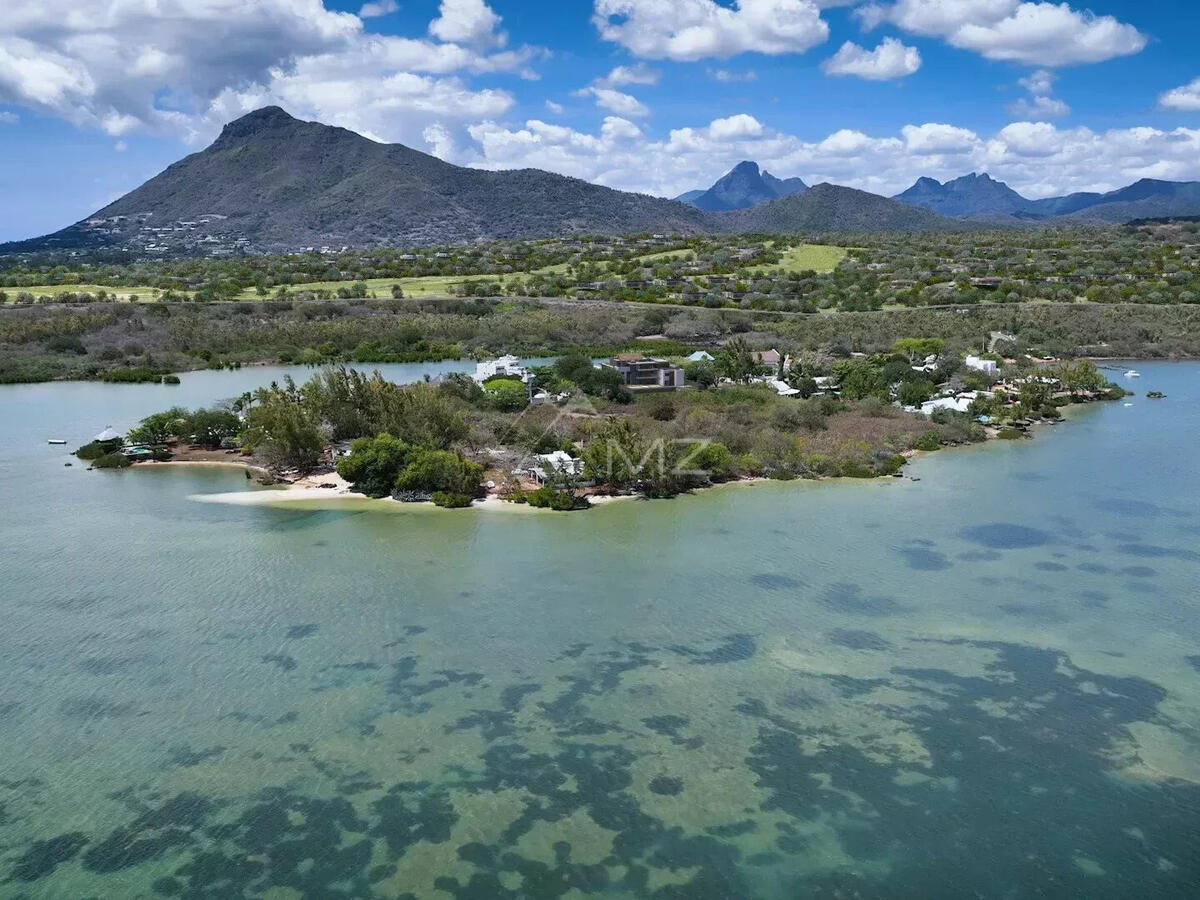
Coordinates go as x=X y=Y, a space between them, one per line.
x=743 y=186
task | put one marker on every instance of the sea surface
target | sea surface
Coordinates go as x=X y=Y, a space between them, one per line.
x=982 y=683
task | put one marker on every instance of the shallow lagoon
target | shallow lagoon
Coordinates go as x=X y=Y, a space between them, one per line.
x=983 y=683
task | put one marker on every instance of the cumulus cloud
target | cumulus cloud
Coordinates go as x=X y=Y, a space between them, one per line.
x=9 y=118
x=891 y=59
x=1043 y=34
x=1037 y=159
x=1186 y=98
x=688 y=30
x=377 y=8
x=470 y=22
x=616 y=101
x=556 y=108
x=184 y=67
x=623 y=75
x=1040 y=104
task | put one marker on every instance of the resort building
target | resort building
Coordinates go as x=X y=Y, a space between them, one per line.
x=701 y=356
x=646 y=372
x=108 y=436
x=987 y=366
x=556 y=466
x=504 y=367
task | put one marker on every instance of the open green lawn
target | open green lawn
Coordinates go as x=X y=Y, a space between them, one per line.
x=815 y=257
x=143 y=294
x=809 y=257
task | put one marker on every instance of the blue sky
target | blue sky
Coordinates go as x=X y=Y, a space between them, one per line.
x=658 y=96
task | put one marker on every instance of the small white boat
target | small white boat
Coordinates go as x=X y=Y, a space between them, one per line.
x=1132 y=373
x=57 y=443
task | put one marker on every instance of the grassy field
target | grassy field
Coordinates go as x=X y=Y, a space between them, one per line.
x=143 y=294
x=809 y=257
x=814 y=257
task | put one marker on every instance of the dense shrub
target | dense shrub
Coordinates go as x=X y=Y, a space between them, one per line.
x=449 y=500
x=547 y=497
x=112 y=461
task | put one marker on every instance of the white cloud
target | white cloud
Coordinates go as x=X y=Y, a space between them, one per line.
x=688 y=30
x=616 y=101
x=623 y=75
x=9 y=118
x=1186 y=98
x=891 y=59
x=184 y=67
x=378 y=8
x=470 y=22
x=935 y=138
x=120 y=146
x=1041 y=103
x=1037 y=159
x=1044 y=34
x=725 y=76
x=556 y=108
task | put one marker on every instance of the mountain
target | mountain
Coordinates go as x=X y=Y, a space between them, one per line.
x=971 y=195
x=271 y=182
x=742 y=187
x=830 y=207
x=1145 y=199
x=981 y=197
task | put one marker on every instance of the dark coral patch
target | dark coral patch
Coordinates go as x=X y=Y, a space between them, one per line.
x=923 y=559
x=150 y=835
x=1005 y=536
x=666 y=785
x=43 y=857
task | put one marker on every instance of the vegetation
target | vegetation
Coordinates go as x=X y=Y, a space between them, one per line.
x=112 y=461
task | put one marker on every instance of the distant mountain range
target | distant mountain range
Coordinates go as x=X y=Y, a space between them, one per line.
x=831 y=207
x=272 y=183
x=982 y=198
x=742 y=187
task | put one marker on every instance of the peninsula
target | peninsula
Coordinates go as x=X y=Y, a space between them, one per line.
x=558 y=436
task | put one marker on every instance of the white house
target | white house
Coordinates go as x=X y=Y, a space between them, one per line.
x=987 y=366
x=508 y=366
x=556 y=464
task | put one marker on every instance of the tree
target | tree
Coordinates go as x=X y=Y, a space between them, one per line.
x=285 y=431
x=858 y=379
x=736 y=360
x=1081 y=377
x=506 y=394
x=374 y=464
x=914 y=393
x=434 y=471
x=160 y=427
x=615 y=453
x=210 y=427
x=700 y=373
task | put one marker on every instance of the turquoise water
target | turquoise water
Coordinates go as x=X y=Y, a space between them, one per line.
x=983 y=683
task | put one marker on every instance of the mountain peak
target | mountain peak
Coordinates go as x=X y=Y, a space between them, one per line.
x=257 y=122
x=742 y=186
